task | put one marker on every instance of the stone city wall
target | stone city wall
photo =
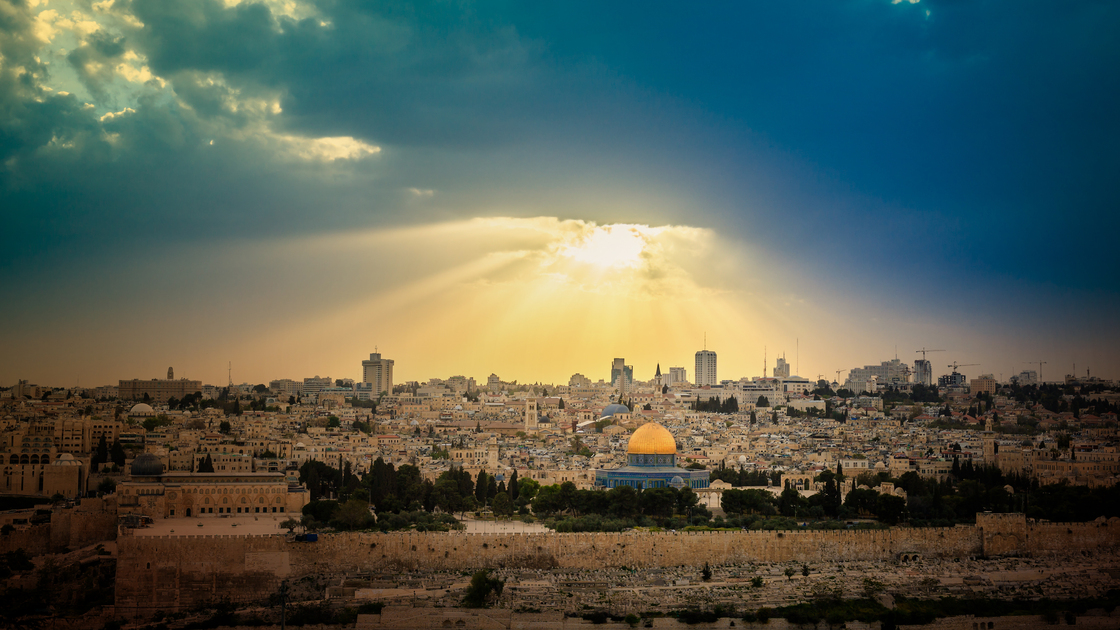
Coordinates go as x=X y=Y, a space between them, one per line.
x=90 y=522
x=183 y=571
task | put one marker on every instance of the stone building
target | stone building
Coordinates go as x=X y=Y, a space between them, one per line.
x=31 y=463
x=158 y=494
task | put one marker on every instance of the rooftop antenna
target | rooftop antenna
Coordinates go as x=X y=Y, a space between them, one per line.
x=797 y=357
x=229 y=373
x=763 y=361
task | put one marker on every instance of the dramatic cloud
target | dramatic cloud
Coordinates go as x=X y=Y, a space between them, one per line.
x=932 y=159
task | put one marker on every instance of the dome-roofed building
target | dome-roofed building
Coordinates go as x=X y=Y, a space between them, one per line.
x=610 y=410
x=146 y=465
x=141 y=409
x=651 y=462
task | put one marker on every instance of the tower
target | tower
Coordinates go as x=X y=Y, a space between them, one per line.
x=706 y=368
x=170 y=374
x=530 y=415
x=622 y=376
x=378 y=373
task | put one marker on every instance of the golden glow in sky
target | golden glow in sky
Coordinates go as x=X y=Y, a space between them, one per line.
x=531 y=299
x=610 y=245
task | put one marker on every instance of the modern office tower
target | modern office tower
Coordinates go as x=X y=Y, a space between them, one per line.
x=378 y=372
x=781 y=370
x=706 y=368
x=677 y=375
x=622 y=376
x=923 y=372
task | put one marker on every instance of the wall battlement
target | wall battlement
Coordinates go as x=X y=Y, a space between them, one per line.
x=191 y=570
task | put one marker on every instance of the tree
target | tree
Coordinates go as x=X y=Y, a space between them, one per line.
x=789 y=573
x=107 y=486
x=561 y=404
x=891 y=509
x=483 y=590
x=260 y=389
x=513 y=486
x=206 y=465
x=101 y=455
x=503 y=505
x=481 y=487
x=352 y=515
x=789 y=502
x=527 y=489
x=225 y=427
x=116 y=453
x=762 y=402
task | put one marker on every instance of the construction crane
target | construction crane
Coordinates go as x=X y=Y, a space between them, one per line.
x=924 y=351
x=956 y=365
x=838 y=374
x=1040 y=364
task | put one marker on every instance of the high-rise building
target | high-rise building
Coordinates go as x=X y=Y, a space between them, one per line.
x=706 y=368
x=378 y=372
x=923 y=372
x=677 y=375
x=622 y=376
x=781 y=369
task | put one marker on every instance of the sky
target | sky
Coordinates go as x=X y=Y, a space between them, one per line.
x=533 y=189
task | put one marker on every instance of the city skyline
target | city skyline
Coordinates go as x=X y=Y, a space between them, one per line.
x=534 y=190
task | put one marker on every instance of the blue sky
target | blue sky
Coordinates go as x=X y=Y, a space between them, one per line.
x=936 y=174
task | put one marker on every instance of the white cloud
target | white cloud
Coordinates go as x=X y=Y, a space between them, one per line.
x=328 y=149
x=112 y=115
x=422 y=192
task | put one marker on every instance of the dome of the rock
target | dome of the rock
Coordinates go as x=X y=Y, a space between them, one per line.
x=652 y=439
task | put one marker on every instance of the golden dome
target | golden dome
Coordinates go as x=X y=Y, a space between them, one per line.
x=652 y=439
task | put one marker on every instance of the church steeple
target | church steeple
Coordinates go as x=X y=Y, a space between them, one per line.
x=658 y=371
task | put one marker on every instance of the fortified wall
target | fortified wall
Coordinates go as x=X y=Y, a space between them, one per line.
x=91 y=521
x=184 y=571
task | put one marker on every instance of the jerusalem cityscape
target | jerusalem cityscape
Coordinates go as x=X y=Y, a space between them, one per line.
x=487 y=315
